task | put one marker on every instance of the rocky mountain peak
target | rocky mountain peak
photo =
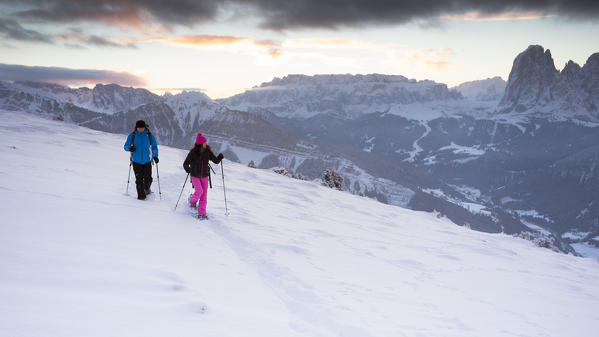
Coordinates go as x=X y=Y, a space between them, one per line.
x=590 y=81
x=592 y=63
x=571 y=69
x=113 y=97
x=590 y=72
x=535 y=85
x=531 y=77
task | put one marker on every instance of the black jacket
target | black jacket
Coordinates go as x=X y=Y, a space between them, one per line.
x=196 y=162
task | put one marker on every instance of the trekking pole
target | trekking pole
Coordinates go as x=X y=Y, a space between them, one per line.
x=129 y=176
x=185 y=182
x=209 y=176
x=224 y=190
x=158 y=175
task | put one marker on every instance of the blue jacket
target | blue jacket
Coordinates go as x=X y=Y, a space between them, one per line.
x=141 y=155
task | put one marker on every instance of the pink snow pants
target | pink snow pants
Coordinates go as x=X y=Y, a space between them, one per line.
x=201 y=193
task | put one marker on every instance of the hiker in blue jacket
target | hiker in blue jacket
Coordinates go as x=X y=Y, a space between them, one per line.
x=142 y=145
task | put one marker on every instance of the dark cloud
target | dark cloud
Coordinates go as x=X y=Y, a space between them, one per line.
x=11 y=29
x=280 y=14
x=123 y=12
x=285 y=14
x=67 y=76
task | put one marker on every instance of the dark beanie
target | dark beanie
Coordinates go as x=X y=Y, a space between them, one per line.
x=140 y=124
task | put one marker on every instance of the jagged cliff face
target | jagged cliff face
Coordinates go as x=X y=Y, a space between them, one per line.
x=343 y=96
x=530 y=80
x=535 y=85
x=589 y=78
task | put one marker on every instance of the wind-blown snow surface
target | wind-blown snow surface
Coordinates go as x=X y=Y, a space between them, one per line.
x=80 y=258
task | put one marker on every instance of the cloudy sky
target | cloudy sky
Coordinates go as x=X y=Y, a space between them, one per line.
x=226 y=46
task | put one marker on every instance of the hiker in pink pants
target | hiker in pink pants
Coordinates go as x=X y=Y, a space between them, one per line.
x=196 y=164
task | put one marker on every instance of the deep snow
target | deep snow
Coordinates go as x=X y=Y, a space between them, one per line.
x=80 y=258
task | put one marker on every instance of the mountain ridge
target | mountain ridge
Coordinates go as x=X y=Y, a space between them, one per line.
x=302 y=96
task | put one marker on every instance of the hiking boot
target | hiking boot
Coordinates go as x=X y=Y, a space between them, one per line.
x=140 y=197
x=148 y=191
x=202 y=217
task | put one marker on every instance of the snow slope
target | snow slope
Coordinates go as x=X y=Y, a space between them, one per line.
x=78 y=257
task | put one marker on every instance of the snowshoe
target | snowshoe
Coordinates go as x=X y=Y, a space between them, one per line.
x=198 y=216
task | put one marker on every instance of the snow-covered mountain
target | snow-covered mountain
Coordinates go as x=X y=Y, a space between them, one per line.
x=106 y=99
x=80 y=258
x=342 y=96
x=192 y=108
x=490 y=89
x=535 y=85
x=110 y=98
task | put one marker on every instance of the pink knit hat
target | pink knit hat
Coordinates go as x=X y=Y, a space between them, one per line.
x=200 y=139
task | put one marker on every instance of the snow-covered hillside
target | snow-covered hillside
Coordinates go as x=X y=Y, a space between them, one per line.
x=80 y=258
x=490 y=89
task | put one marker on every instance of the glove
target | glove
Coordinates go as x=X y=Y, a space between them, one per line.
x=132 y=148
x=156 y=160
x=220 y=156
